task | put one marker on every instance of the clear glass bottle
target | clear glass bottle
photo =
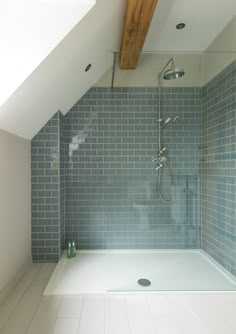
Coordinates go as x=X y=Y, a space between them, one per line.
x=73 y=249
x=69 y=250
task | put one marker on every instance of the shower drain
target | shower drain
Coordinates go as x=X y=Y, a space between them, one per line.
x=144 y=282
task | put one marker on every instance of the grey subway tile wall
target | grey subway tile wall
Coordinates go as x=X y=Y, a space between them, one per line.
x=112 y=196
x=45 y=174
x=219 y=168
x=94 y=181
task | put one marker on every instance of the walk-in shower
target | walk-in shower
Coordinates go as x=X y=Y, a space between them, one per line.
x=169 y=72
x=130 y=239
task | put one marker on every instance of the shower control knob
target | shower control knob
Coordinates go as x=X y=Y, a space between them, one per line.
x=158 y=167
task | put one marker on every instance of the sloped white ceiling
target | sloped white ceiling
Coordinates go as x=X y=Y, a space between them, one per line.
x=29 y=31
x=60 y=80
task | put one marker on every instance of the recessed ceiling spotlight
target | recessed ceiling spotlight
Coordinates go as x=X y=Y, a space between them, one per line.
x=87 y=68
x=180 y=26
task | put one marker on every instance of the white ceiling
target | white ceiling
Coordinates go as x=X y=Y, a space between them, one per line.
x=29 y=31
x=204 y=20
x=59 y=81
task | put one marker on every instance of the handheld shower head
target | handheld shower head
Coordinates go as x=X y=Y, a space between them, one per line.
x=167 y=120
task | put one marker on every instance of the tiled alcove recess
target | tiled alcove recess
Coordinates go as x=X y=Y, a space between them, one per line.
x=47 y=172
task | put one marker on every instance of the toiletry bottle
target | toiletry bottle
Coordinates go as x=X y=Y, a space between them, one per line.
x=73 y=249
x=69 y=250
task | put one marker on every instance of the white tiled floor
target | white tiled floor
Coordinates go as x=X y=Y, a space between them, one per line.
x=27 y=311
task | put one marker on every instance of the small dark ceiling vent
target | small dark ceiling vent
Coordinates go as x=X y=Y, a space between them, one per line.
x=180 y=26
x=87 y=68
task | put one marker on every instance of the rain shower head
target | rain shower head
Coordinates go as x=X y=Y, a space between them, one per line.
x=171 y=73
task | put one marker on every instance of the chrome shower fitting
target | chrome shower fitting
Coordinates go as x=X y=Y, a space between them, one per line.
x=175 y=119
x=157 y=161
x=162 y=155
x=160 y=159
x=168 y=72
x=172 y=72
x=166 y=121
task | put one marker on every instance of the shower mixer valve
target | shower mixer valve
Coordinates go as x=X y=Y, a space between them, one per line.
x=159 y=166
x=162 y=156
x=157 y=161
x=163 y=150
x=160 y=159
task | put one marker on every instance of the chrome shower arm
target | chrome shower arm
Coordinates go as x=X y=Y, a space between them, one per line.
x=171 y=60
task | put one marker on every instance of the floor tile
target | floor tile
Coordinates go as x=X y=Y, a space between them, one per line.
x=70 y=307
x=139 y=316
x=92 y=316
x=66 y=326
x=116 y=317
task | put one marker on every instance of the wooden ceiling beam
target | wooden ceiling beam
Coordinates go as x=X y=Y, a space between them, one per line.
x=138 y=18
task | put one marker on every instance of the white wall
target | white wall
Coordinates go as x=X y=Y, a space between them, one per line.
x=220 y=53
x=15 y=206
x=150 y=64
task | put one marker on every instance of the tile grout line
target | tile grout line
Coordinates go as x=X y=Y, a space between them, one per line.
x=80 y=315
x=127 y=315
x=56 y=315
x=41 y=300
x=104 y=315
x=149 y=309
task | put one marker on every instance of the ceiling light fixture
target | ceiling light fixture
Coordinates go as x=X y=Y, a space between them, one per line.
x=180 y=26
x=87 y=68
